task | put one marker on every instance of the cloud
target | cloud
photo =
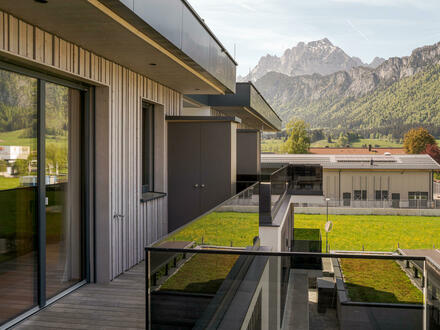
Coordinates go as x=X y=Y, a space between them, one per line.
x=260 y=27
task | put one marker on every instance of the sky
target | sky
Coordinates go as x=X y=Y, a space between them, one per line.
x=362 y=28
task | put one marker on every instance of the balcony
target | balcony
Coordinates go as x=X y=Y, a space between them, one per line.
x=164 y=40
x=247 y=103
x=244 y=264
x=177 y=21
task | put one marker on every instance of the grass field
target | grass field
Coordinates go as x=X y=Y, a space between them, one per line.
x=9 y=183
x=380 y=281
x=221 y=228
x=273 y=145
x=204 y=273
x=360 y=143
x=375 y=232
x=15 y=138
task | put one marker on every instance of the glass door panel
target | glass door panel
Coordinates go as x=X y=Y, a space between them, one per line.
x=18 y=184
x=63 y=188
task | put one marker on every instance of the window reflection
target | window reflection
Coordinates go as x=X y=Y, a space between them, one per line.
x=18 y=166
x=63 y=189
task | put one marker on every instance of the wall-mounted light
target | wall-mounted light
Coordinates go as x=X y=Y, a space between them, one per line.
x=152 y=64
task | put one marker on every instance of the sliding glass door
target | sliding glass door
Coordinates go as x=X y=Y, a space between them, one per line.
x=41 y=191
x=63 y=188
x=18 y=217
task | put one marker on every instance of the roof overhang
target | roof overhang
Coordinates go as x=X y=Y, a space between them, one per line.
x=110 y=29
x=247 y=103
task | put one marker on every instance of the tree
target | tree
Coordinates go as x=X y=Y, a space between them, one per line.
x=434 y=151
x=21 y=167
x=3 y=166
x=298 y=141
x=416 y=140
x=342 y=140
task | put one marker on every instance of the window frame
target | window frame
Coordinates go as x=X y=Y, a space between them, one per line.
x=148 y=146
x=87 y=181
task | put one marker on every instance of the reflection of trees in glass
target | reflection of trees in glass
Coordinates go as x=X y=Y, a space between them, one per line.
x=56 y=158
x=17 y=103
x=21 y=167
x=57 y=116
x=3 y=166
x=57 y=101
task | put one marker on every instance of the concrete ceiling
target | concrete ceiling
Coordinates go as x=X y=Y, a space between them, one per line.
x=87 y=24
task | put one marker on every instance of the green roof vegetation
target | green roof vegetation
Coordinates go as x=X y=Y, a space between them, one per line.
x=375 y=232
x=203 y=273
x=306 y=234
x=221 y=228
x=380 y=281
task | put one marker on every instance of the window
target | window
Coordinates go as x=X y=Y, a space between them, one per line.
x=364 y=195
x=381 y=195
x=359 y=195
x=147 y=147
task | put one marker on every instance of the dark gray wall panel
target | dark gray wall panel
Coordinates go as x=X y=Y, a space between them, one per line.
x=248 y=152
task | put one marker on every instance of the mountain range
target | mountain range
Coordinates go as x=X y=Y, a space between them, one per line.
x=319 y=56
x=320 y=83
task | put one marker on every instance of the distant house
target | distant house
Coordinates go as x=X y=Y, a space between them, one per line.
x=110 y=90
x=11 y=153
x=350 y=180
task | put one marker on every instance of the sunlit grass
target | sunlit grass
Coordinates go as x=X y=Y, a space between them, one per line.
x=221 y=228
x=375 y=232
x=9 y=183
x=359 y=144
x=204 y=273
x=381 y=281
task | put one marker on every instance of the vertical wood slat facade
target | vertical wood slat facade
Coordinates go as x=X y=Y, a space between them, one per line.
x=143 y=222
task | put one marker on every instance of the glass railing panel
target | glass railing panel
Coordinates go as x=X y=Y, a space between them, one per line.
x=256 y=288
x=279 y=183
x=432 y=294
x=232 y=223
x=217 y=289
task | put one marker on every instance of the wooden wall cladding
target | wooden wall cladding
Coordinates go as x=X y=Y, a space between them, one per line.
x=144 y=223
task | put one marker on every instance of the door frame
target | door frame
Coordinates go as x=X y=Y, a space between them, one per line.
x=87 y=182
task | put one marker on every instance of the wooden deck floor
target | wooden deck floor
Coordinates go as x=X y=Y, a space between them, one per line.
x=117 y=305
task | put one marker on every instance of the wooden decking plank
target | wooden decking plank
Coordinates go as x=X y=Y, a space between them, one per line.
x=117 y=305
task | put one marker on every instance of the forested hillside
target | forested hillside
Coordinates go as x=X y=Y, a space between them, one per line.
x=399 y=94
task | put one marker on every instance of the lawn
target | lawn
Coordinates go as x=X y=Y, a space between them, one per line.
x=358 y=144
x=375 y=232
x=221 y=228
x=15 y=138
x=380 y=281
x=9 y=183
x=271 y=145
x=203 y=273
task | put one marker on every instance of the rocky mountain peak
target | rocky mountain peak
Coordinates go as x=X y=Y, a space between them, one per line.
x=319 y=56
